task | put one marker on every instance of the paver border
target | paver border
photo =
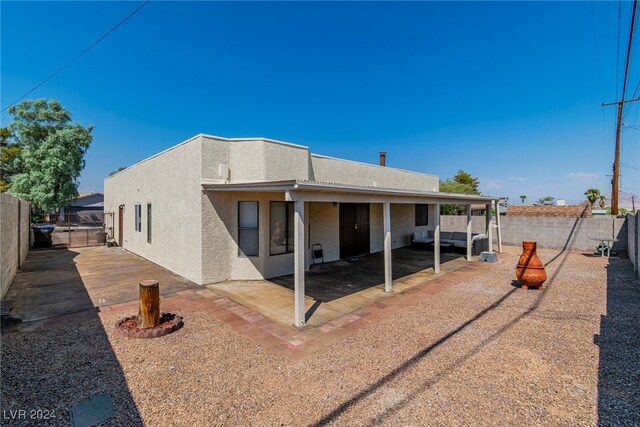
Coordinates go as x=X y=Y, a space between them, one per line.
x=292 y=343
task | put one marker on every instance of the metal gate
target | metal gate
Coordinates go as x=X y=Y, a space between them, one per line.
x=86 y=228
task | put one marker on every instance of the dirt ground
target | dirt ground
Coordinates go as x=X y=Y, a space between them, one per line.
x=483 y=352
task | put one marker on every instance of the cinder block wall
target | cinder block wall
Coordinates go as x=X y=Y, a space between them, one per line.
x=553 y=233
x=633 y=240
x=14 y=238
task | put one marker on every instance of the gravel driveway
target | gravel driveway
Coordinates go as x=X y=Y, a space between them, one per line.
x=481 y=353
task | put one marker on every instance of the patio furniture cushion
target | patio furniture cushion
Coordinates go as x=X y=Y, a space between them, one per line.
x=446 y=235
x=458 y=235
x=421 y=237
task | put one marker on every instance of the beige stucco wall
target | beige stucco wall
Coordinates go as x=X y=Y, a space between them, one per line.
x=14 y=238
x=195 y=232
x=259 y=159
x=171 y=183
x=220 y=258
x=327 y=169
x=403 y=219
x=215 y=152
x=254 y=160
x=324 y=221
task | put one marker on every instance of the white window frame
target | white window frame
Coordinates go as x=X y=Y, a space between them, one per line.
x=138 y=217
x=241 y=252
x=149 y=222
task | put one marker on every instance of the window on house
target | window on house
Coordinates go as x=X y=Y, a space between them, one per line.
x=248 y=228
x=422 y=215
x=148 y=222
x=281 y=228
x=138 y=219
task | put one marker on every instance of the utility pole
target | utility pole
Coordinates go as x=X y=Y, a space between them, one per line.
x=615 y=181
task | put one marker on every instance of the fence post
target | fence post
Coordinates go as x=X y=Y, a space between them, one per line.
x=637 y=244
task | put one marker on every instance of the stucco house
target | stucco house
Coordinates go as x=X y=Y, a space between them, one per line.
x=213 y=209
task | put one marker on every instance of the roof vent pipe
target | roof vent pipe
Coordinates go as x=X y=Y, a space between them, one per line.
x=383 y=158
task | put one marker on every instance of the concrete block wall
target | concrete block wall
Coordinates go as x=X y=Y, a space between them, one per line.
x=633 y=240
x=553 y=233
x=459 y=223
x=14 y=238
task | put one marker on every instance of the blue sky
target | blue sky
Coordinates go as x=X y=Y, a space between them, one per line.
x=508 y=91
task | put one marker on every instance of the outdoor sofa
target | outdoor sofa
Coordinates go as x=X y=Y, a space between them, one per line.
x=452 y=240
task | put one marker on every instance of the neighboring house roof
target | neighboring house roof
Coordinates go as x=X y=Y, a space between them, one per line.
x=82 y=195
x=567 y=211
x=90 y=199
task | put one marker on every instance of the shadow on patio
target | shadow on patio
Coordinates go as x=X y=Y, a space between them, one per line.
x=46 y=370
x=57 y=282
x=340 y=287
x=338 y=279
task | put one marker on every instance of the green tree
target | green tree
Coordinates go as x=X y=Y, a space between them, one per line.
x=452 y=186
x=52 y=150
x=465 y=178
x=8 y=154
x=592 y=194
x=621 y=211
x=603 y=201
x=545 y=199
x=121 y=168
x=523 y=198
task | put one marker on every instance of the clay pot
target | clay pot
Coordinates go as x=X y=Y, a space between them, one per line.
x=530 y=270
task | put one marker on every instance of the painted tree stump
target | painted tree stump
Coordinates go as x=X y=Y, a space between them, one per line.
x=149 y=308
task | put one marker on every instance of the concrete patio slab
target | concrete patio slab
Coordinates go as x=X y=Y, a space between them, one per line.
x=338 y=288
x=58 y=282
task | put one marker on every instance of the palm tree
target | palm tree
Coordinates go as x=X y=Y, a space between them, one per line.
x=602 y=201
x=592 y=194
x=523 y=197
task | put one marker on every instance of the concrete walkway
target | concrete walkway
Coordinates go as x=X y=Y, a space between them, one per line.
x=58 y=282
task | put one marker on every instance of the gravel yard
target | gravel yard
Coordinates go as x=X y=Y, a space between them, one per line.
x=481 y=353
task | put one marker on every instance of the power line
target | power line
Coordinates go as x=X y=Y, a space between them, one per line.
x=628 y=62
x=635 y=94
x=616 y=162
x=614 y=204
x=78 y=55
x=618 y=47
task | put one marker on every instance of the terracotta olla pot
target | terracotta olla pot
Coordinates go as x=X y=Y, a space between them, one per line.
x=530 y=270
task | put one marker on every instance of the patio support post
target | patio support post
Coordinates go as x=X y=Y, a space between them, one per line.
x=498 y=230
x=388 y=277
x=469 y=236
x=436 y=242
x=299 y=263
x=489 y=232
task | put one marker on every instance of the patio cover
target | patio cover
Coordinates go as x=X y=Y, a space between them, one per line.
x=300 y=191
